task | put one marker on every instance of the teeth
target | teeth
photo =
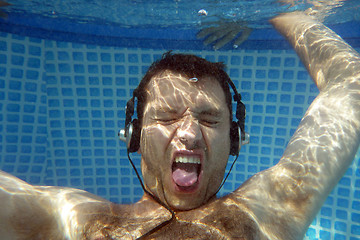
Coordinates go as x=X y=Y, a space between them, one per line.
x=187 y=159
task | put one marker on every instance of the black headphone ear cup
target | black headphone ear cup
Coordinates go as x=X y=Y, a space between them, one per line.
x=234 y=139
x=134 y=136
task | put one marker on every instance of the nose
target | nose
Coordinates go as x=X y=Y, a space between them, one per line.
x=189 y=133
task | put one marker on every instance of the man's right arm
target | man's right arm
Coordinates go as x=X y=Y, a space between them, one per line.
x=30 y=212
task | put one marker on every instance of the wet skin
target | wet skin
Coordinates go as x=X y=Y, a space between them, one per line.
x=224 y=218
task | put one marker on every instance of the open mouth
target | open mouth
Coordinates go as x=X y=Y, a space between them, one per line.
x=186 y=171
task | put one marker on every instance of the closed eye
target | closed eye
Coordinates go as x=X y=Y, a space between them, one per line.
x=209 y=123
x=165 y=116
x=166 y=121
x=210 y=118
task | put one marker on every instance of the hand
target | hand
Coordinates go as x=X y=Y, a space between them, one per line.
x=2 y=13
x=224 y=32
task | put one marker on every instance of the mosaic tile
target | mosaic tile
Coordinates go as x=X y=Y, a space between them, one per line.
x=61 y=105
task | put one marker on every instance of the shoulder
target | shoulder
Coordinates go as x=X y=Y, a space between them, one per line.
x=119 y=221
x=276 y=203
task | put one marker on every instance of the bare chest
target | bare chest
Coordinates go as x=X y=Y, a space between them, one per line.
x=213 y=226
x=215 y=221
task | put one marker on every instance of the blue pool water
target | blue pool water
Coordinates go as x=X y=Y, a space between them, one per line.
x=64 y=85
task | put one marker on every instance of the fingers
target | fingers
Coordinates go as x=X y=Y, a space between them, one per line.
x=224 y=33
x=226 y=39
x=216 y=36
x=243 y=37
x=206 y=31
x=2 y=13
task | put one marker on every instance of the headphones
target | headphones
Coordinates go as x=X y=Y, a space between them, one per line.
x=131 y=134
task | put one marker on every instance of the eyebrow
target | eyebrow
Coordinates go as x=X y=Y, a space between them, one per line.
x=211 y=112
x=164 y=110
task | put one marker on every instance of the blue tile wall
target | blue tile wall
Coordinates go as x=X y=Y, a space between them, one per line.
x=87 y=90
x=23 y=108
x=61 y=105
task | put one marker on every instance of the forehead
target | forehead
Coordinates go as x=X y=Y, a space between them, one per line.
x=174 y=89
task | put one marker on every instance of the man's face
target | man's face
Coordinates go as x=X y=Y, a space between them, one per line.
x=185 y=139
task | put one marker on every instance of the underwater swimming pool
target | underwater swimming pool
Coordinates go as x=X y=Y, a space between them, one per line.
x=68 y=69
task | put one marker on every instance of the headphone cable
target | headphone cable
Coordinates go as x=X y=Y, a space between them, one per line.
x=227 y=175
x=156 y=199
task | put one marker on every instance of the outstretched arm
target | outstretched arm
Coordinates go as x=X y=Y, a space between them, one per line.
x=29 y=212
x=285 y=198
x=35 y=212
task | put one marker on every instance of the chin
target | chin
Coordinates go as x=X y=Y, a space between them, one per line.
x=184 y=200
x=185 y=206
x=189 y=202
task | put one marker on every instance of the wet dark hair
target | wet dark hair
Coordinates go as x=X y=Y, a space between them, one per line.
x=189 y=65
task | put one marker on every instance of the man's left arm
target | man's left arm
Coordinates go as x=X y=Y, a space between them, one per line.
x=285 y=198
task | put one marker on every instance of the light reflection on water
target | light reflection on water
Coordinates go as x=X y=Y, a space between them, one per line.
x=180 y=14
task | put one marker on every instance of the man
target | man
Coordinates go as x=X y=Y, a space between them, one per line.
x=185 y=142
